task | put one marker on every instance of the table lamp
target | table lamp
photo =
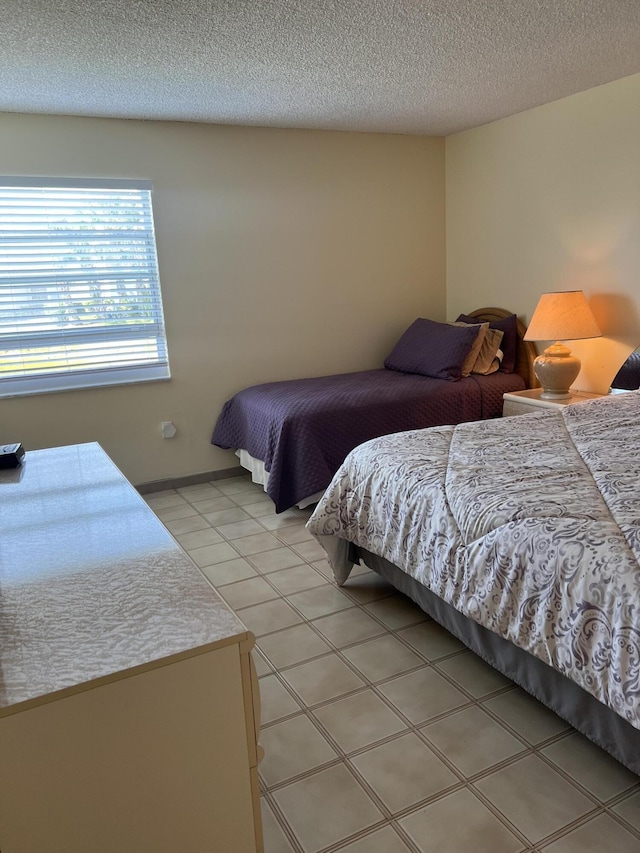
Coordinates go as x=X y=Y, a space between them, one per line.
x=563 y=316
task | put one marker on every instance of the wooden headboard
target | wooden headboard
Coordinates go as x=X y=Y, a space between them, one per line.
x=526 y=351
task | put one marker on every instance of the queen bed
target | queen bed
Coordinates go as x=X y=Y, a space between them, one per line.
x=522 y=537
x=293 y=435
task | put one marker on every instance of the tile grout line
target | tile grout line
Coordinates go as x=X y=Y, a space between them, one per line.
x=283 y=824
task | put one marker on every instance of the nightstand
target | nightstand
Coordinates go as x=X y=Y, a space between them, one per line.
x=522 y=402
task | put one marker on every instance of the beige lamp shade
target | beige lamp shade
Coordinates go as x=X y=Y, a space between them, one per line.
x=563 y=316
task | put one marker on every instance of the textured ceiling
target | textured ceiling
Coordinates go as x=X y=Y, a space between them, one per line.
x=401 y=66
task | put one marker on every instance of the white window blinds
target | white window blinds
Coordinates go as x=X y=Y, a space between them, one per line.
x=80 y=301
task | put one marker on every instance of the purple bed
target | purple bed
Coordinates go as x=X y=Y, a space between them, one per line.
x=303 y=429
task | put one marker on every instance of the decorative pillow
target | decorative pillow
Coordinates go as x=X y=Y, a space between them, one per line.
x=487 y=360
x=472 y=355
x=433 y=349
x=508 y=325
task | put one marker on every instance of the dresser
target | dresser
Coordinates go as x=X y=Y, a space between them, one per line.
x=521 y=402
x=129 y=705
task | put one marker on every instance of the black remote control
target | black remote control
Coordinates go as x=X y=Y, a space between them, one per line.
x=11 y=455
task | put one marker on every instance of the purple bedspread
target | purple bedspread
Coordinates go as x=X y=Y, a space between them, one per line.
x=304 y=428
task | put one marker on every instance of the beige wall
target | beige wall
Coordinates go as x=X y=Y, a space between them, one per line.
x=282 y=254
x=550 y=200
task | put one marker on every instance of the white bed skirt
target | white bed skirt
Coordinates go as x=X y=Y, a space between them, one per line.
x=260 y=475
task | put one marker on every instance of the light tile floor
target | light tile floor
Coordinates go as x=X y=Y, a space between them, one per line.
x=382 y=734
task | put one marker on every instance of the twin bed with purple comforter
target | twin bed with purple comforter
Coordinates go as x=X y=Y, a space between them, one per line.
x=303 y=429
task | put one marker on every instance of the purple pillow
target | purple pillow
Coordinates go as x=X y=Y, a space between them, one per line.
x=432 y=349
x=509 y=345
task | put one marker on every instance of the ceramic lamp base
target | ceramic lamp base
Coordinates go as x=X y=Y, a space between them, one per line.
x=556 y=370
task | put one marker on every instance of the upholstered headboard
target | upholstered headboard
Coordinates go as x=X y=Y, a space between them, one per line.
x=526 y=351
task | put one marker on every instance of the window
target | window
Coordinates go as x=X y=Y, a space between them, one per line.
x=80 y=302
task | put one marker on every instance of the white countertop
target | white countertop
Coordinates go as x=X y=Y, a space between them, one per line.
x=91 y=582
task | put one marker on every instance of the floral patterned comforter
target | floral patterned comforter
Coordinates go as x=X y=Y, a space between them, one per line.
x=529 y=525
